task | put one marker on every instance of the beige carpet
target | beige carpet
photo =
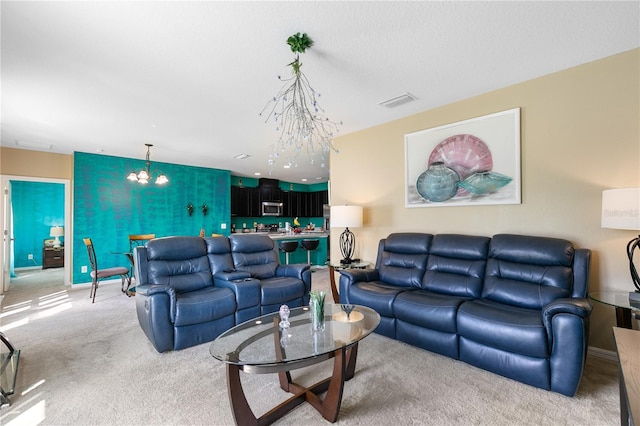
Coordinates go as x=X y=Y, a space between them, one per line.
x=87 y=364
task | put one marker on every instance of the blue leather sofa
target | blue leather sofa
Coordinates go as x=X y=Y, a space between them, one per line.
x=190 y=289
x=515 y=305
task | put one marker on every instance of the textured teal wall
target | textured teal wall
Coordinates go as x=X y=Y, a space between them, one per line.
x=37 y=206
x=108 y=207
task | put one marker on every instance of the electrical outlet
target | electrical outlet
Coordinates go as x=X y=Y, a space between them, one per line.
x=30 y=256
x=223 y=226
x=83 y=269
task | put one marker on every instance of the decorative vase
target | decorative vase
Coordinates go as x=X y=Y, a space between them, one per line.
x=438 y=183
x=316 y=306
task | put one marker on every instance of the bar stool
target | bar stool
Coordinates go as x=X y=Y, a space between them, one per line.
x=310 y=245
x=288 y=247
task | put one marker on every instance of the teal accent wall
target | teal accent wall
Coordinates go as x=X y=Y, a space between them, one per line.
x=37 y=206
x=108 y=207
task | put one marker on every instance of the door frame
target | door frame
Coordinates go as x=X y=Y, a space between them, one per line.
x=5 y=220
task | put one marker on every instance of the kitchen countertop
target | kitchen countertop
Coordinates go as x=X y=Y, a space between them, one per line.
x=284 y=235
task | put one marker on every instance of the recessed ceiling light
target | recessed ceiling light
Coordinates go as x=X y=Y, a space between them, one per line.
x=99 y=150
x=257 y=174
x=241 y=156
x=398 y=100
x=304 y=179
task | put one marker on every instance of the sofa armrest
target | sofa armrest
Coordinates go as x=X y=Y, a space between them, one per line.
x=294 y=270
x=349 y=277
x=231 y=275
x=149 y=290
x=156 y=308
x=580 y=308
x=246 y=289
x=567 y=324
x=301 y=271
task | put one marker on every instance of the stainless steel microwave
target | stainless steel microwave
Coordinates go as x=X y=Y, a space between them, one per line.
x=271 y=208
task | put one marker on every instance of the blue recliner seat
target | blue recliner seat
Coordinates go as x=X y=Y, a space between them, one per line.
x=176 y=301
x=257 y=255
x=400 y=266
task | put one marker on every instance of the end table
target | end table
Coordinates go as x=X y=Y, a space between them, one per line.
x=333 y=266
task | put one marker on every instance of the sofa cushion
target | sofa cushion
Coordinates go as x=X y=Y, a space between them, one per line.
x=529 y=272
x=254 y=253
x=179 y=262
x=204 y=305
x=279 y=289
x=430 y=310
x=377 y=295
x=456 y=265
x=506 y=327
x=402 y=258
x=219 y=254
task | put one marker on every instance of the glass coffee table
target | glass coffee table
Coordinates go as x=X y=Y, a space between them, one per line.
x=261 y=346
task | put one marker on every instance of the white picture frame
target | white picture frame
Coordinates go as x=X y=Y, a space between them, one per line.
x=484 y=153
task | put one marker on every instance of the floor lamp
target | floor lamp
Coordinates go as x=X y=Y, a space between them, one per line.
x=621 y=210
x=346 y=216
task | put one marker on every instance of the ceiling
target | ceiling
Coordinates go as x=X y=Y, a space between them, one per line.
x=192 y=77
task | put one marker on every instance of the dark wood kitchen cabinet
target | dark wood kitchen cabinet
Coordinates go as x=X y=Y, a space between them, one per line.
x=245 y=202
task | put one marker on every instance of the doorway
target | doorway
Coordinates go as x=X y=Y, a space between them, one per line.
x=6 y=218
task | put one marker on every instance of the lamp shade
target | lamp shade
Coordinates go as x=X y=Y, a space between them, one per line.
x=56 y=231
x=346 y=216
x=621 y=208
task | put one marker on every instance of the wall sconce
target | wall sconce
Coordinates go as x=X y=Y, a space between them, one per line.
x=190 y=208
x=205 y=209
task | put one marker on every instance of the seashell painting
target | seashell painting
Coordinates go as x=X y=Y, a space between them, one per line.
x=470 y=162
x=465 y=153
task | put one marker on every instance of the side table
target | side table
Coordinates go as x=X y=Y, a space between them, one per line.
x=619 y=300
x=333 y=266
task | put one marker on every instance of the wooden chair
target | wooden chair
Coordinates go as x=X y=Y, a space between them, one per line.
x=100 y=274
x=136 y=240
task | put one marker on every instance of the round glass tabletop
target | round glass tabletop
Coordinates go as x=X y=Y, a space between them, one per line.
x=619 y=299
x=252 y=343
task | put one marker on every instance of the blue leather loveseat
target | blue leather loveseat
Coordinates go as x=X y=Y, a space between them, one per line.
x=190 y=289
x=515 y=305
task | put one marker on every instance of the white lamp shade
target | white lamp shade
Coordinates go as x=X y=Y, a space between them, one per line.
x=346 y=216
x=621 y=208
x=56 y=231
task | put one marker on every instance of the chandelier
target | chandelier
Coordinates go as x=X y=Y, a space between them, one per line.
x=298 y=116
x=144 y=175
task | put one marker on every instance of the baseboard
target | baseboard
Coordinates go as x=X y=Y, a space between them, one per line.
x=602 y=353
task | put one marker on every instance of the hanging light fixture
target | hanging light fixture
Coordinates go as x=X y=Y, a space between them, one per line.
x=145 y=174
x=299 y=118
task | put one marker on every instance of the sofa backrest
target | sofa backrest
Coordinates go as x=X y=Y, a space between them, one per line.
x=179 y=262
x=456 y=265
x=402 y=258
x=528 y=271
x=254 y=253
x=219 y=254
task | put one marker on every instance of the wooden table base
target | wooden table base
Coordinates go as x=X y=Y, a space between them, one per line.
x=344 y=363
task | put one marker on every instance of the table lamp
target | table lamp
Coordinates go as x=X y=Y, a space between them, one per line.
x=621 y=210
x=347 y=216
x=57 y=232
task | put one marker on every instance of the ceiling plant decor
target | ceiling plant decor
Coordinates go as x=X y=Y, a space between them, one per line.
x=300 y=121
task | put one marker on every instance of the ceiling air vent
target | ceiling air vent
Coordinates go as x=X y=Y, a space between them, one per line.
x=398 y=100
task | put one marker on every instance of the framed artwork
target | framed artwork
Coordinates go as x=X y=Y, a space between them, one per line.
x=470 y=162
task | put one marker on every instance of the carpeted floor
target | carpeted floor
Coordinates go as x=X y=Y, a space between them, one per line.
x=92 y=364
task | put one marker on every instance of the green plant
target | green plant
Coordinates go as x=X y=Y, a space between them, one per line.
x=298 y=43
